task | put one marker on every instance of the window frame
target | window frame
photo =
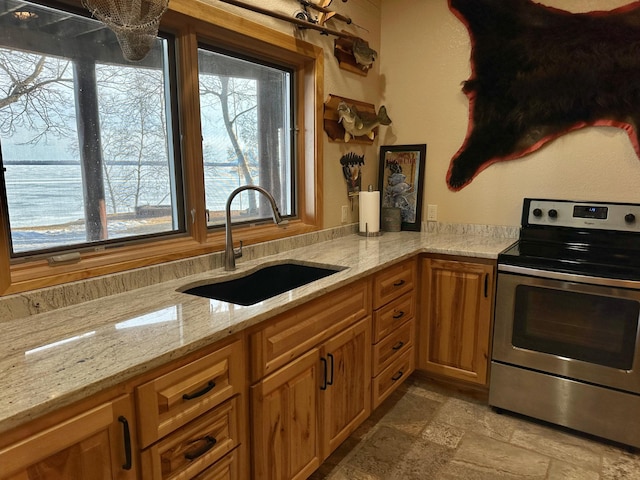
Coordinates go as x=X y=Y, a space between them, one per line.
x=191 y=22
x=206 y=46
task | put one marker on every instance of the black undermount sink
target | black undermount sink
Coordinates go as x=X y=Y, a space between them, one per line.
x=263 y=283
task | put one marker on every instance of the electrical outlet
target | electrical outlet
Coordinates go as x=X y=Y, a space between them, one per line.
x=432 y=213
x=345 y=214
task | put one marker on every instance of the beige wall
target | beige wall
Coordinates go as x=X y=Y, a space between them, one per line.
x=423 y=60
x=365 y=13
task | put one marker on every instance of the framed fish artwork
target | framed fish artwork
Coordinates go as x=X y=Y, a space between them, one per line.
x=401 y=181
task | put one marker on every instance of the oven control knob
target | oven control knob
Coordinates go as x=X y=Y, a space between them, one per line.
x=537 y=212
x=630 y=218
x=553 y=213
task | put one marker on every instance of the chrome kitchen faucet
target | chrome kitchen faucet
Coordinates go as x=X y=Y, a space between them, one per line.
x=230 y=253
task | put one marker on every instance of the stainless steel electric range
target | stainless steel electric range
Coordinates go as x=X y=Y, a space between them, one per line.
x=566 y=344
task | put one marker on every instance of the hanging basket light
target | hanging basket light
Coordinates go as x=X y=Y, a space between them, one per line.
x=135 y=22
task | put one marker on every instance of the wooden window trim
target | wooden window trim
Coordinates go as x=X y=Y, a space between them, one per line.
x=190 y=20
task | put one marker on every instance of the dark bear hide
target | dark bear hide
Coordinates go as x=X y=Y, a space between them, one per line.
x=540 y=72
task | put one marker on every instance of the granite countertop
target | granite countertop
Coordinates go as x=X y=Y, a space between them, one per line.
x=52 y=359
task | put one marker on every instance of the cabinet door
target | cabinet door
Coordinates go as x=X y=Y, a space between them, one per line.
x=285 y=433
x=456 y=323
x=345 y=394
x=95 y=444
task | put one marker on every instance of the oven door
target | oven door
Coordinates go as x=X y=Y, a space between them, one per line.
x=554 y=323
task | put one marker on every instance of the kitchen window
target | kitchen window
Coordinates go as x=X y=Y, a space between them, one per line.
x=86 y=138
x=247 y=135
x=124 y=164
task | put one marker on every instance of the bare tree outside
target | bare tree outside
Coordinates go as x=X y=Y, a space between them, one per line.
x=38 y=108
x=36 y=93
x=88 y=142
x=236 y=100
x=134 y=135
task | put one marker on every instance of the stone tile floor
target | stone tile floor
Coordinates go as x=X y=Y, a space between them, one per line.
x=429 y=431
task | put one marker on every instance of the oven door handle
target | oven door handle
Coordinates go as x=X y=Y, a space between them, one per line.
x=570 y=277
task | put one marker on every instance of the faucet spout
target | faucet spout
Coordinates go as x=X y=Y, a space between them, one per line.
x=230 y=254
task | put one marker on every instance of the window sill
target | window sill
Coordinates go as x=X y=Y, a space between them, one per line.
x=40 y=274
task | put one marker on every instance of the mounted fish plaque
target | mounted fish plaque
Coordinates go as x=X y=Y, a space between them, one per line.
x=354 y=55
x=347 y=120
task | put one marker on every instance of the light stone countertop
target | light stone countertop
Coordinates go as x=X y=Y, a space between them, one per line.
x=52 y=359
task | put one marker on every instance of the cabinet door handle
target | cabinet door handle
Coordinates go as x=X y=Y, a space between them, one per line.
x=330 y=382
x=190 y=396
x=127 y=442
x=324 y=374
x=486 y=285
x=399 y=283
x=210 y=442
x=397 y=376
x=398 y=345
x=399 y=314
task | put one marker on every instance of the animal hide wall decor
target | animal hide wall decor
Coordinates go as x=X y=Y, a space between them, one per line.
x=540 y=72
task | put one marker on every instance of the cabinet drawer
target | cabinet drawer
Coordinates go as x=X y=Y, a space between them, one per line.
x=388 y=318
x=393 y=282
x=392 y=376
x=393 y=346
x=173 y=399
x=194 y=447
x=295 y=332
x=224 y=469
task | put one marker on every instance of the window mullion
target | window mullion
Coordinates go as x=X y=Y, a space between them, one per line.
x=191 y=135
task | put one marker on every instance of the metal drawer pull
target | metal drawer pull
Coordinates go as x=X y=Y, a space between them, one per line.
x=211 y=441
x=397 y=376
x=127 y=442
x=190 y=396
x=399 y=283
x=400 y=314
x=398 y=345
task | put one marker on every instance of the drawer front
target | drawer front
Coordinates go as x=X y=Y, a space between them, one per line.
x=393 y=346
x=194 y=447
x=393 y=282
x=388 y=318
x=391 y=377
x=301 y=329
x=224 y=469
x=172 y=400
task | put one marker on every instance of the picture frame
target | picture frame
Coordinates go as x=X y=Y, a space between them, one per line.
x=401 y=181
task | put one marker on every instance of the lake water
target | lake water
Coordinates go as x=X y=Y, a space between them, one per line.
x=52 y=195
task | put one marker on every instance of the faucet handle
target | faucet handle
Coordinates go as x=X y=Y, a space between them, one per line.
x=237 y=252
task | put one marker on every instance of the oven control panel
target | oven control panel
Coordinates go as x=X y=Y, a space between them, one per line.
x=597 y=215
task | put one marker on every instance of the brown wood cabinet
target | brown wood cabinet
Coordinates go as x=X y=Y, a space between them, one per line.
x=345 y=397
x=285 y=439
x=225 y=469
x=393 y=354
x=303 y=410
x=188 y=417
x=316 y=373
x=456 y=311
x=194 y=447
x=191 y=416
x=169 y=401
x=97 y=444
